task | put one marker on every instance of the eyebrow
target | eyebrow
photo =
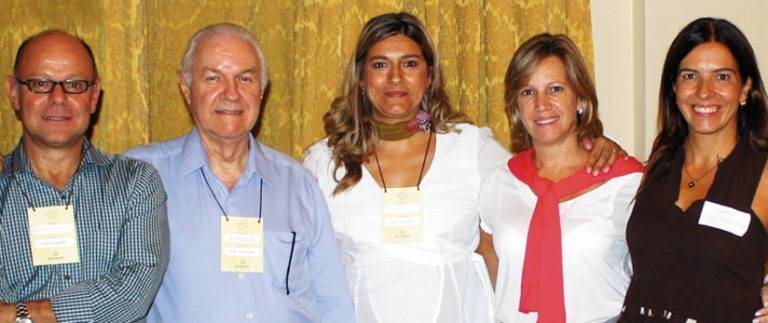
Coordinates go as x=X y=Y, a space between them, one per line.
x=400 y=57
x=68 y=77
x=215 y=70
x=724 y=69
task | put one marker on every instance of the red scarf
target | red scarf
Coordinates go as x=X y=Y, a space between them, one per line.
x=542 y=283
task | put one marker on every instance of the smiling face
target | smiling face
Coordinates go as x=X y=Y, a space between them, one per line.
x=225 y=90
x=709 y=88
x=56 y=119
x=395 y=78
x=547 y=104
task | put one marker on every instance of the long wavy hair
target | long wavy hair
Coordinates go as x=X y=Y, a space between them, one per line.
x=752 y=117
x=351 y=134
x=524 y=63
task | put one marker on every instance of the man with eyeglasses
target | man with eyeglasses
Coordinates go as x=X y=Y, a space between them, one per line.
x=83 y=234
x=251 y=237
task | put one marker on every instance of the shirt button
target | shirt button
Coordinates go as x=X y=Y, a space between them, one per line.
x=63 y=197
x=240 y=276
x=248 y=315
x=67 y=277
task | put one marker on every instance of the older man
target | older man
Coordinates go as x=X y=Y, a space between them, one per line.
x=251 y=239
x=84 y=235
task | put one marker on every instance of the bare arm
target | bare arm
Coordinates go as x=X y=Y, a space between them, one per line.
x=760 y=206
x=485 y=249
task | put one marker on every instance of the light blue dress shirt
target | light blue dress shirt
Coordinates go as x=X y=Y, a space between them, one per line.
x=303 y=280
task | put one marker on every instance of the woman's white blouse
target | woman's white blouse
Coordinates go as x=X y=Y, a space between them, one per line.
x=441 y=279
x=596 y=263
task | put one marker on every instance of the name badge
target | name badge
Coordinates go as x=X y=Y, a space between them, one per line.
x=242 y=245
x=402 y=217
x=724 y=218
x=53 y=235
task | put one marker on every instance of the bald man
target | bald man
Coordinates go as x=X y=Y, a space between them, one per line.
x=84 y=234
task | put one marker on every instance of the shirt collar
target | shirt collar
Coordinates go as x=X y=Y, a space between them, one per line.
x=193 y=157
x=19 y=160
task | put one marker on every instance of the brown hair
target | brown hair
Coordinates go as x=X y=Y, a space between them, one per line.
x=673 y=129
x=351 y=134
x=525 y=61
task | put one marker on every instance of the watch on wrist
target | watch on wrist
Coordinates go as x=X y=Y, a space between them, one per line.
x=22 y=313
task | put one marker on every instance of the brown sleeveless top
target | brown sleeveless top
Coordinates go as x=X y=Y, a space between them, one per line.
x=683 y=269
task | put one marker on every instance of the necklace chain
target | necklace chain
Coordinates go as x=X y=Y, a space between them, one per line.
x=692 y=181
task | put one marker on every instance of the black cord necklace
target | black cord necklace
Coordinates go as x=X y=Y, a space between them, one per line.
x=421 y=171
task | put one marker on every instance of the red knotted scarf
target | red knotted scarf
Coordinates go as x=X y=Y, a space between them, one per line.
x=542 y=283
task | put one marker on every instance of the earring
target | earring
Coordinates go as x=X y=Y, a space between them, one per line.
x=743 y=103
x=579 y=114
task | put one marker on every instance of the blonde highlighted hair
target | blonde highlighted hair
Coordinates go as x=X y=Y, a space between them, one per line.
x=525 y=61
x=351 y=134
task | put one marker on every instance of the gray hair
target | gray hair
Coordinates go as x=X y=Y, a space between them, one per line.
x=222 y=29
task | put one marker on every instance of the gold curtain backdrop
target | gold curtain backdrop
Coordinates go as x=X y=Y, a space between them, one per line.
x=138 y=45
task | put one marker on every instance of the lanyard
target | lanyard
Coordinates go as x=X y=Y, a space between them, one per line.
x=226 y=216
x=421 y=171
x=4 y=286
x=71 y=187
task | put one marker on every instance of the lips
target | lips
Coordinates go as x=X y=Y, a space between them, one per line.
x=396 y=94
x=55 y=118
x=701 y=109
x=546 y=121
x=229 y=112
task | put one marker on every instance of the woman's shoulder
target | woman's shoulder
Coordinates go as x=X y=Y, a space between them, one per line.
x=317 y=157
x=318 y=148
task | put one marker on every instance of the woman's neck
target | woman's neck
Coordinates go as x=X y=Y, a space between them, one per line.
x=702 y=150
x=555 y=162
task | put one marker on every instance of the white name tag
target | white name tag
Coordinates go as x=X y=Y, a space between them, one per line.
x=724 y=218
x=402 y=218
x=242 y=245
x=53 y=235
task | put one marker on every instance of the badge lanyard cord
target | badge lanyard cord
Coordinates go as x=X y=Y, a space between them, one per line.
x=71 y=187
x=421 y=171
x=226 y=216
x=36 y=273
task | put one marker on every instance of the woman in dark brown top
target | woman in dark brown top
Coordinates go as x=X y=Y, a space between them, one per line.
x=697 y=235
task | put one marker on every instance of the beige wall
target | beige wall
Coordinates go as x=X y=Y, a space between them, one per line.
x=631 y=39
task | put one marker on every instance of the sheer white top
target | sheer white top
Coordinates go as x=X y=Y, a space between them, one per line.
x=438 y=280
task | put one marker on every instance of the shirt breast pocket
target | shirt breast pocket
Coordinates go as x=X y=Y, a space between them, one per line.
x=285 y=262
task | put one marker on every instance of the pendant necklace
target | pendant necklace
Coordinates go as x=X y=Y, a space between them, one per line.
x=692 y=181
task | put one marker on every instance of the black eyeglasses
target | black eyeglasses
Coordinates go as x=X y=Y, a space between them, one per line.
x=47 y=86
